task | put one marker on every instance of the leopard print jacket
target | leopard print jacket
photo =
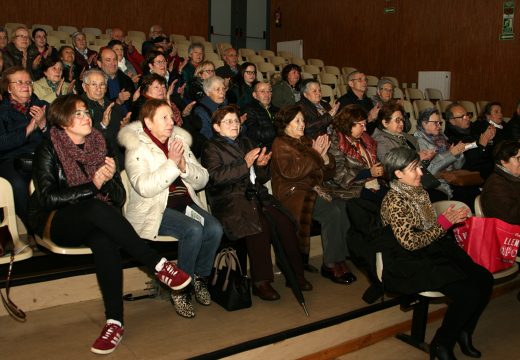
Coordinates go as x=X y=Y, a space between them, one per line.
x=398 y=211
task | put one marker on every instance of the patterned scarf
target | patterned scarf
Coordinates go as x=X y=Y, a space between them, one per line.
x=419 y=199
x=80 y=163
x=363 y=149
x=440 y=141
x=21 y=108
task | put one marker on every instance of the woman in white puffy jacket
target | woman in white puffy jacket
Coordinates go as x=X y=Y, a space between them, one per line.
x=164 y=175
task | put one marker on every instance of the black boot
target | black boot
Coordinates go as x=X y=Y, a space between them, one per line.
x=306 y=266
x=441 y=352
x=466 y=345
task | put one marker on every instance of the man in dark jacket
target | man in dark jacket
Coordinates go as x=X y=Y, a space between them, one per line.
x=120 y=87
x=356 y=94
x=259 y=126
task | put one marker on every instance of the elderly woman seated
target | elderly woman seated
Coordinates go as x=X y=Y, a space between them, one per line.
x=500 y=197
x=240 y=200
x=287 y=91
x=77 y=202
x=123 y=63
x=22 y=127
x=447 y=156
x=299 y=167
x=52 y=85
x=205 y=70
x=84 y=57
x=318 y=113
x=215 y=97
x=422 y=257
x=389 y=134
x=358 y=172
x=164 y=175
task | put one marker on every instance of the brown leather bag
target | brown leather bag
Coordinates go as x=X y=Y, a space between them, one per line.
x=7 y=246
x=462 y=177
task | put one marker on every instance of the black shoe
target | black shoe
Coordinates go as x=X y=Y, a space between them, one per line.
x=374 y=292
x=347 y=278
x=466 y=345
x=265 y=291
x=441 y=352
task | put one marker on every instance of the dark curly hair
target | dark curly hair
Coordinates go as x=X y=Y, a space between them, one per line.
x=285 y=116
x=386 y=111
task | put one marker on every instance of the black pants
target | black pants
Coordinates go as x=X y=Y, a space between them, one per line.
x=259 y=245
x=20 y=184
x=102 y=228
x=469 y=298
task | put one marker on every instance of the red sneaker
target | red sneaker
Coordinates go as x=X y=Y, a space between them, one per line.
x=110 y=337
x=172 y=276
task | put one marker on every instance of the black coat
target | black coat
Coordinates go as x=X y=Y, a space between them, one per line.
x=259 y=126
x=512 y=128
x=52 y=191
x=315 y=124
x=228 y=182
x=366 y=103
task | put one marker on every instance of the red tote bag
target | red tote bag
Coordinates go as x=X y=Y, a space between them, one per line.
x=490 y=242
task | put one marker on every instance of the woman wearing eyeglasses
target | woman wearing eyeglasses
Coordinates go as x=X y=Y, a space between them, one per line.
x=22 y=127
x=241 y=90
x=204 y=70
x=429 y=136
x=239 y=199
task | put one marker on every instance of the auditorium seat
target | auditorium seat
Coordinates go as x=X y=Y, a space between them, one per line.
x=298 y=61
x=311 y=69
x=63 y=36
x=267 y=70
x=413 y=94
x=278 y=61
x=345 y=70
x=47 y=28
x=286 y=54
x=211 y=57
x=420 y=105
x=255 y=59
x=316 y=62
x=433 y=94
x=372 y=80
x=91 y=30
x=245 y=52
x=177 y=37
x=68 y=29
x=197 y=39
x=136 y=34
x=442 y=105
x=481 y=104
x=266 y=53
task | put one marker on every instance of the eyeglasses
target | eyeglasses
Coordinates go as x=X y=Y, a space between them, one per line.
x=436 y=123
x=362 y=124
x=96 y=85
x=160 y=62
x=468 y=114
x=387 y=90
x=398 y=120
x=21 y=82
x=360 y=79
x=82 y=114
x=264 y=91
x=248 y=72
x=208 y=71
x=230 y=121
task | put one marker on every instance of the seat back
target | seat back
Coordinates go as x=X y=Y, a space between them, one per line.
x=177 y=37
x=244 y=52
x=255 y=59
x=92 y=30
x=481 y=104
x=298 y=61
x=470 y=108
x=136 y=34
x=68 y=29
x=413 y=94
x=311 y=69
x=47 y=28
x=197 y=39
x=267 y=69
x=371 y=91
x=442 y=105
x=211 y=57
x=278 y=61
x=398 y=93
x=23 y=251
x=441 y=206
x=345 y=70
x=433 y=94
x=285 y=54
x=478 y=207
x=372 y=80
x=328 y=94
x=316 y=62
x=420 y=105
x=266 y=53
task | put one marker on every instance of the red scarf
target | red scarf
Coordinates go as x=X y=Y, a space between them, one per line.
x=80 y=163
x=364 y=149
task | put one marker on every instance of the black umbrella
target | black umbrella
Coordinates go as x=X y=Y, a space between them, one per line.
x=284 y=265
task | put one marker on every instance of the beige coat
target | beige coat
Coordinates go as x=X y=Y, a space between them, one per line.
x=151 y=173
x=44 y=91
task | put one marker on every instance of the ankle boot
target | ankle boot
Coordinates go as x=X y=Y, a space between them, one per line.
x=306 y=266
x=466 y=345
x=181 y=300
x=200 y=287
x=441 y=352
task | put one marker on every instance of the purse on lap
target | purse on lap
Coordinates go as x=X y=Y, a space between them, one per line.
x=228 y=286
x=462 y=177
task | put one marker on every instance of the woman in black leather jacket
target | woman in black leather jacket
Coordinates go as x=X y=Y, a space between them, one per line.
x=77 y=200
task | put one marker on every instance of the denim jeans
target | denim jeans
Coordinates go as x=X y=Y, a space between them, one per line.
x=197 y=244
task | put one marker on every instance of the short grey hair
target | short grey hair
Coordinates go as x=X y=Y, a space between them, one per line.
x=351 y=75
x=398 y=159
x=88 y=73
x=195 y=46
x=306 y=84
x=382 y=82
x=208 y=84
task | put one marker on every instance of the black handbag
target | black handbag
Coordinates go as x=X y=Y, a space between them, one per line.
x=23 y=163
x=6 y=247
x=428 y=181
x=229 y=287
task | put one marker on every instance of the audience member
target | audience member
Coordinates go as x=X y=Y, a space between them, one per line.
x=385 y=94
x=287 y=91
x=491 y=115
x=106 y=116
x=23 y=125
x=164 y=175
x=422 y=257
x=84 y=57
x=215 y=97
x=358 y=174
x=52 y=84
x=195 y=57
x=259 y=125
x=40 y=50
x=239 y=199
x=130 y=52
x=155 y=31
x=318 y=113
x=205 y=70
x=241 y=90
x=77 y=201
x=123 y=63
x=15 y=53
x=356 y=94
x=120 y=87
x=299 y=167
x=230 y=58
x=459 y=128
x=512 y=127
x=4 y=39
x=71 y=72
x=500 y=197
